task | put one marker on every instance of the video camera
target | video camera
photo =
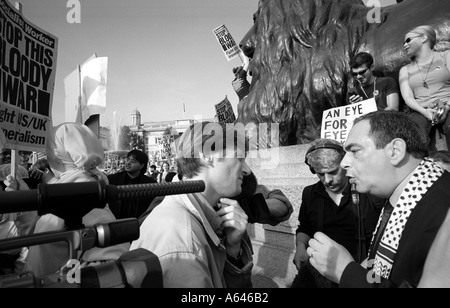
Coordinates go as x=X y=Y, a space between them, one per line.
x=139 y=268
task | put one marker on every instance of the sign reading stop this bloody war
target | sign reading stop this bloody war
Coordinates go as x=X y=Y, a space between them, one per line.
x=27 y=77
x=224 y=112
x=226 y=41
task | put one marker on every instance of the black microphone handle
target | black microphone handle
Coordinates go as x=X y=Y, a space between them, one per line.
x=19 y=201
x=126 y=192
x=77 y=199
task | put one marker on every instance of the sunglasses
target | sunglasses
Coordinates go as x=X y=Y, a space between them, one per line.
x=409 y=39
x=354 y=74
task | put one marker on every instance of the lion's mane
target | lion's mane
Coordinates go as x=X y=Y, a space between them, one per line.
x=300 y=51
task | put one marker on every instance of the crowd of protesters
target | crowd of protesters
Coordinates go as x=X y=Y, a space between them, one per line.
x=360 y=217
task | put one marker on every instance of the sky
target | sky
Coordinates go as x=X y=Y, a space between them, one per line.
x=161 y=53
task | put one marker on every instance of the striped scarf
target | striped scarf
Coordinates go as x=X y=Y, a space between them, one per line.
x=424 y=176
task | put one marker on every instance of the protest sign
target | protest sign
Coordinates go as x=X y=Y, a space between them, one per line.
x=165 y=145
x=337 y=122
x=27 y=76
x=224 y=111
x=226 y=41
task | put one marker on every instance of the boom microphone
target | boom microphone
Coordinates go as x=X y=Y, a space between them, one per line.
x=71 y=201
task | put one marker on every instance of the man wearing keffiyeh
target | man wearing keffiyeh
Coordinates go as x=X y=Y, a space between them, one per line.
x=387 y=157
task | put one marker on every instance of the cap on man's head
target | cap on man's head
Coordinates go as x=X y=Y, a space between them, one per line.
x=312 y=156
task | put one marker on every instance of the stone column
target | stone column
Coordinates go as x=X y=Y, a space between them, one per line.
x=274 y=246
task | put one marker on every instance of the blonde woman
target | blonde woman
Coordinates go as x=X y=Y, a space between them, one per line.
x=425 y=81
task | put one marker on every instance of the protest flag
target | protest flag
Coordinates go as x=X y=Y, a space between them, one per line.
x=85 y=90
x=93 y=76
x=72 y=98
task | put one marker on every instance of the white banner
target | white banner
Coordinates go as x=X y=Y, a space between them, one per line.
x=72 y=98
x=337 y=122
x=93 y=87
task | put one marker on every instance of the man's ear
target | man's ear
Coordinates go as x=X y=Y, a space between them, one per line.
x=397 y=150
x=208 y=160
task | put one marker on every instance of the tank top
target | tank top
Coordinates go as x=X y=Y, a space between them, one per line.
x=438 y=80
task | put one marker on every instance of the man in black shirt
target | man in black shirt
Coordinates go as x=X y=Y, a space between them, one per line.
x=366 y=85
x=327 y=207
x=134 y=173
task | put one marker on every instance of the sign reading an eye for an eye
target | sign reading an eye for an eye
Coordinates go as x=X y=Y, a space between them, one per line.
x=226 y=41
x=337 y=122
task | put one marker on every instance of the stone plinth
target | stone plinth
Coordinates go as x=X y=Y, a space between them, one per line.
x=274 y=246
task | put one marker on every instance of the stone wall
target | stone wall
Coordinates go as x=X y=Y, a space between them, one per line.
x=274 y=246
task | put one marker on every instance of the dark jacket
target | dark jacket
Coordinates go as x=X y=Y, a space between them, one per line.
x=129 y=208
x=319 y=213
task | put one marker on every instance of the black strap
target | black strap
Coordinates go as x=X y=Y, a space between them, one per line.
x=388 y=209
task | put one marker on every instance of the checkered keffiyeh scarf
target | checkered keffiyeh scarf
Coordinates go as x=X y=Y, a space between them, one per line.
x=425 y=175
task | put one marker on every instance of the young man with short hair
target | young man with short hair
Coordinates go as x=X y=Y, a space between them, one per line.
x=153 y=172
x=133 y=173
x=199 y=237
x=365 y=85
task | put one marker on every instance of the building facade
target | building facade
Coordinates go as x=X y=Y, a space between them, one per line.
x=158 y=136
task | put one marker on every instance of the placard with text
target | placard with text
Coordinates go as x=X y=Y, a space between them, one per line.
x=27 y=78
x=337 y=122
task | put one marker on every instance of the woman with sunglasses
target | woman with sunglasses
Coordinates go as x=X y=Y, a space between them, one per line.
x=425 y=81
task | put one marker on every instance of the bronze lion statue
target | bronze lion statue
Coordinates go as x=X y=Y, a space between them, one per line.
x=300 y=50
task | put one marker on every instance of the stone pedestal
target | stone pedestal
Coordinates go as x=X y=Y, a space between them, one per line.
x=274 y=246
